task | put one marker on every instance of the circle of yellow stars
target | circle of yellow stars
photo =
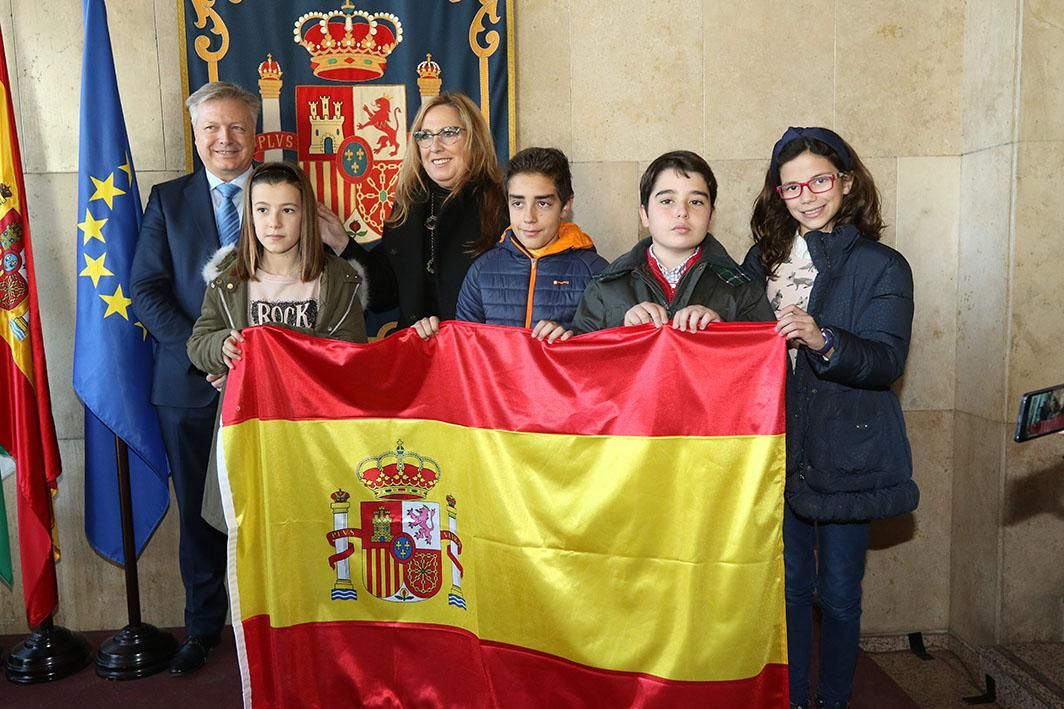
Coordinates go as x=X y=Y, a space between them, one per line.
x=91 y=227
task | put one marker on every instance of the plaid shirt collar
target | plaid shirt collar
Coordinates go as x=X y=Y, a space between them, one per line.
x=673 y=275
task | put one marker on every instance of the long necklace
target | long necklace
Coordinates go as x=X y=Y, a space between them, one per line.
x=430 y=224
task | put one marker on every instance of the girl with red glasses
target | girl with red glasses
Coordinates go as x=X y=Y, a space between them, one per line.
x=845 y=304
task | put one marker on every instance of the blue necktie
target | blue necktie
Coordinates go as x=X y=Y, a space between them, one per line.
x=227 y=218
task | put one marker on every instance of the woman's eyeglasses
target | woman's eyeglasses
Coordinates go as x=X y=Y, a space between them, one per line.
x=447 y=136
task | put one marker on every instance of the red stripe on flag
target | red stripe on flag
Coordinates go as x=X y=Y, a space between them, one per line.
x=636 y=381
x=366 y=658
x=337 y=193
x=372 y=582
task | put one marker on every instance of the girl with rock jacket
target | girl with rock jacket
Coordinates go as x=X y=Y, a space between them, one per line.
x=277 y=274
x=845 y=304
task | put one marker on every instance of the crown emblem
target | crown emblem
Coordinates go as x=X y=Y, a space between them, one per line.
x=340 y=495
x=348 y=44
x=270 y=69
x=398 y=474
x=428 y=77
x=270 y=78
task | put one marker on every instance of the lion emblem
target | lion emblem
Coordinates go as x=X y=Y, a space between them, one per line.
x=422 y=519
x=385 y=119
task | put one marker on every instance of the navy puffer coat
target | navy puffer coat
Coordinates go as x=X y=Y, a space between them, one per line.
x=510 y=286
x=848 y=456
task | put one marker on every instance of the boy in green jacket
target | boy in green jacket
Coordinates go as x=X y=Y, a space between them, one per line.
x=680 y=275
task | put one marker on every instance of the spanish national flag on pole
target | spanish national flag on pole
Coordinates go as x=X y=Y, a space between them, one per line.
x=27 y=432
x=482 y=520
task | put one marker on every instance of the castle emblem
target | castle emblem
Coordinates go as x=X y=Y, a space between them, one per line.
x=402 y=534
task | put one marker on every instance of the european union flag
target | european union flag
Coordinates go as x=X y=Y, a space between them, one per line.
x=112 y=352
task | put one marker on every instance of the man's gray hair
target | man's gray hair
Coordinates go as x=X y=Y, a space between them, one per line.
x=217 y=90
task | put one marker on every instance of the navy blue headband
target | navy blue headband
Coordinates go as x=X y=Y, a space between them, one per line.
x=828 y=137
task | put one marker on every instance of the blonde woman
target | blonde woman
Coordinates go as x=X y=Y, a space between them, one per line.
x=449 y=209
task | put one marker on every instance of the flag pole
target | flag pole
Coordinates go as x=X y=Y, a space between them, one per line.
x=139 y=649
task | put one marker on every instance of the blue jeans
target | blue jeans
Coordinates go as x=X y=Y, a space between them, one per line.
x=832 y=576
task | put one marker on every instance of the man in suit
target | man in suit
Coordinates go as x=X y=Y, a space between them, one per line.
x=185 y=222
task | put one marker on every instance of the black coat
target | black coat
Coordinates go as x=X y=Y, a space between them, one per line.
x=396 y=268
x=715 y=281
x=848 y=456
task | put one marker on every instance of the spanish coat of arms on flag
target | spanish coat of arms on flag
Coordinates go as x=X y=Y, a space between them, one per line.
x=484 y=520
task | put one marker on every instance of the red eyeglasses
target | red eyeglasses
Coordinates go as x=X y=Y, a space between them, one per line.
x=816 y=185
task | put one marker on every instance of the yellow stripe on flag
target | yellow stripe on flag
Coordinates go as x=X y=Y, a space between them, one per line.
x=13 y=320
x=582 y=550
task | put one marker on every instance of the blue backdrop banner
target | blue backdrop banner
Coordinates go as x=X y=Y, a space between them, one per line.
x=341 y=81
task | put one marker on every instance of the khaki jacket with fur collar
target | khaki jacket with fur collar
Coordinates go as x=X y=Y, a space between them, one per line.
x=225 y=308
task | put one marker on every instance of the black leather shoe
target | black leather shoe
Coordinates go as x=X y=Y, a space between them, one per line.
x=192 y=654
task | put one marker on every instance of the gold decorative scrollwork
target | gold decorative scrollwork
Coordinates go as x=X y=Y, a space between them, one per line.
x=205 y=13
x=489 y=9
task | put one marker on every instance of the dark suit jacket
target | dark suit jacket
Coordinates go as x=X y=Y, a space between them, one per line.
x=177 y=238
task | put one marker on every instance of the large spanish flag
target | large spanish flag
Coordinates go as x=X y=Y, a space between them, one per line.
x=483 y=520
x=27 y=431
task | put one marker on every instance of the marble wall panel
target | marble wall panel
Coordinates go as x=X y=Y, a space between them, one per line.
x=606 y=205
x=11 y=54
x=738 y=183
x=927 y=236
x=989 y=87
x=544 y=74
x=983 y=259
x=137 y=65
x=1033 y=542
x=897 y=89
x=768 y=65
x=906 y=585
x=975 y=528
x=52 y=200
x=171 y=89
x=885 y=173
x=1042 y=85
x=50 y=81
x=47 y=81
x=1036 y=358
x=636 y=92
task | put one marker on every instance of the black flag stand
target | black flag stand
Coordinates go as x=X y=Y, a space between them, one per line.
x=139 y=649
x=51 y=652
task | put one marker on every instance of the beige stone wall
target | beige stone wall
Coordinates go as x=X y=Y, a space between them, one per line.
x=1008 y=499
x=1032 y=589
x=614 y=83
